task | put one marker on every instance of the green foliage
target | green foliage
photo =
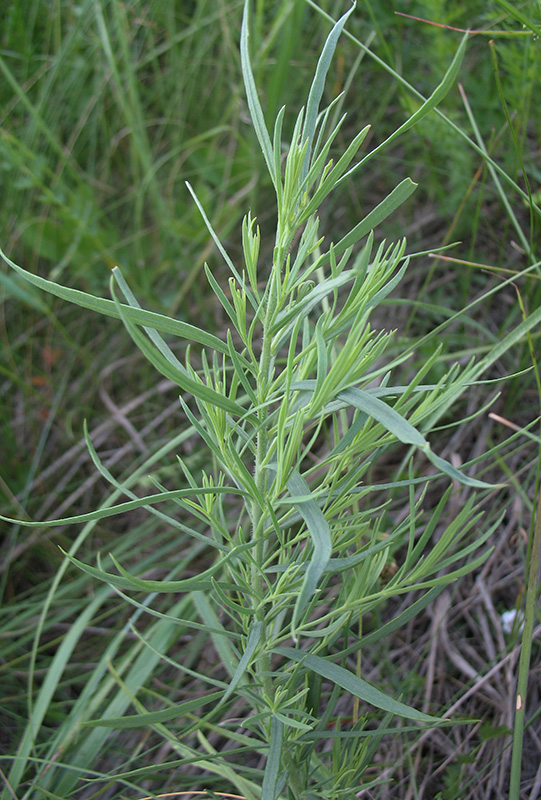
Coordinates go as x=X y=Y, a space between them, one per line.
x=282 y=540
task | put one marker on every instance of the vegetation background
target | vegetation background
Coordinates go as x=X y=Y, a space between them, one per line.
x=106 y=109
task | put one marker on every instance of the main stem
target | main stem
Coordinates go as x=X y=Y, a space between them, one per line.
x=261 y=476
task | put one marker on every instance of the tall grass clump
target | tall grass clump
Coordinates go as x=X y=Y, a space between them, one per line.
x=281 y=543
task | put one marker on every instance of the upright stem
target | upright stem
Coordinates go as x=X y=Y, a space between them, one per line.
x=261 y=476
x=525 y=653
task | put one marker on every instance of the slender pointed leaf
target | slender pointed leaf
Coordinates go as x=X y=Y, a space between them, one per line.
x=319 y=530
x=395 y=199
x=109 y=309
x=254 y=105
x=254 y=638
x=356 y=686
x=428 y=105
x=318 y=85
x=272 y=767
x=153 y=717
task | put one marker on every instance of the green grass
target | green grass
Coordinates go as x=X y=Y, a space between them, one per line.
x=235 y=655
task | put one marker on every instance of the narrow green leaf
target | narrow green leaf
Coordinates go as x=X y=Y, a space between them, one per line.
x=277 y=153
x=130 y=505
x=429 y=104
x=25 y=295
x=177 y=373
x=522 y=18
x=153 y=717
x=454 y=473
x=330 y=181
x=322 y=361
x=128 y=581
x=311 y=299
x=51 y=680
x=272 y=767
x=239 y=370
x=402 y=619
x=380 y=295
x=319 y=530
x=254 y=105
x=356 y=686
x=318 y=85
x=227 y=652
x=385 y=414
x=395 y=423
x=254 y=637
x=220 y=294
x=395 y=199
x=221 y=248
x=109 y=309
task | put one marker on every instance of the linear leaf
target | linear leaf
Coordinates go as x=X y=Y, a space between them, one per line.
x=318 y=85
x=153 y=717
x=454 y=473
x=385 y=414
x=220 y=247
x=254 y=105
x=225 y=649
x=176 y=372
x=130 y=505
x=395 y=199
x=108 y=308
x=253 y=640
x=356 y=686
x=128 y=581
x=319 y=530
x=270 y=778
x=429 y=104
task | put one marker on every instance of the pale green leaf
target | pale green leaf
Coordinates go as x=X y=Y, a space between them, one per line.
x=320 y=533
x=108 y=308
x=274 y=759
x=254 y=105
x=356 y=686
x=318 y=85
x=153 y=717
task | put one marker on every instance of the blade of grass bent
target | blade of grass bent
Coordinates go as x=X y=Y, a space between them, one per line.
x=26 y=744
x=49 y=687
x=162 y=634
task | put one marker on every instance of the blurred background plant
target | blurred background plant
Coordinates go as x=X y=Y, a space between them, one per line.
x=107 y=108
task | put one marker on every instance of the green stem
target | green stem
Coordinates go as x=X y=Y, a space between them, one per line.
x=261 y=475
x=525 y=653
